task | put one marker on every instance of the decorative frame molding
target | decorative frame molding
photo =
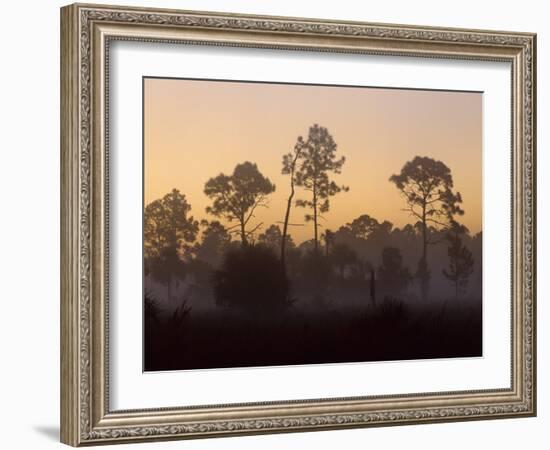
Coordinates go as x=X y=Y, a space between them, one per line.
x=86 y=31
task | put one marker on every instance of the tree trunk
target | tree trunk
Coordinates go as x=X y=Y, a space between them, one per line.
x=243 y=234
x=285 y=225
x=423 y=266
x=372 y=288
x=288 y=206
x=424 y=235
x=315 y=218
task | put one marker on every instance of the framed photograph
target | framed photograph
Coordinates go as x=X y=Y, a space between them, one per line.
x=275 y=224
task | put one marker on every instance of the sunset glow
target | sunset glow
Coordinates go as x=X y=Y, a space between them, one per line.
x=194 y=130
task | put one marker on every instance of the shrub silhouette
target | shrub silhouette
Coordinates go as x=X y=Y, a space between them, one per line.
x=251 y=278
x=168 y=332
x=151 y=310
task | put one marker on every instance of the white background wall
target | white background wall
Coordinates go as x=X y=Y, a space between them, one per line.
x=29 y=222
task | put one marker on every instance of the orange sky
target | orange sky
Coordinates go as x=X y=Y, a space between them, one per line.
x=196 y=129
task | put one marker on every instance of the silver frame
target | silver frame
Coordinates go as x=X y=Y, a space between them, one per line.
x=86 y=32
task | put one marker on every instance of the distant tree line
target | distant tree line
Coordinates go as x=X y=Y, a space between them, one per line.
x=263 y=261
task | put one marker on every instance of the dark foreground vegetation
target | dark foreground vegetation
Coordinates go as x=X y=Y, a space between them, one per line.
x=388 y=331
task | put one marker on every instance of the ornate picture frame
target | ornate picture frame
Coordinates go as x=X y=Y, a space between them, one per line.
x=87 y=32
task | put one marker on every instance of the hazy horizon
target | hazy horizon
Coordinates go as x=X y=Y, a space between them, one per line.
x=195 y=130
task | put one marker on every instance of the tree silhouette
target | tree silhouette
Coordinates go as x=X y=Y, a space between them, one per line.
x=426 y=185
x=215 y=240
x=289 y=168
x=461 y=262
x=366 y=236
x=167 y=225
x=367 y=228
x=392 y=276
x=317 y=160
x=272 y=238
x=342 y=256
x=235 y=197
x=363 y=226
x=167 y=230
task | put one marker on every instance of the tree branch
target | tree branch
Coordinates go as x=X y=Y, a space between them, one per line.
x=248 y=233
x=428 y=219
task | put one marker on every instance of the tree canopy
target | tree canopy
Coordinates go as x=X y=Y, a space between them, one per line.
x=235 y=197
x=167 y=230
x=427 y=187
x=168 y=225
x=317 y=161
x=272 y=238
